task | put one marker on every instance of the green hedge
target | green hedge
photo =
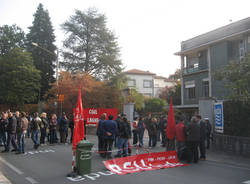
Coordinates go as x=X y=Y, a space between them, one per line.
x=237 y=118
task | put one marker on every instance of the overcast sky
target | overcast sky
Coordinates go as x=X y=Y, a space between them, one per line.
x=149 y=31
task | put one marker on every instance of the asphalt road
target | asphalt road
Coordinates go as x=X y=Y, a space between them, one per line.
x=51 y=164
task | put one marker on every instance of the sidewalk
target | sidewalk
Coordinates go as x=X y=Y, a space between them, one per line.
x=3 y=179
x=213 y=156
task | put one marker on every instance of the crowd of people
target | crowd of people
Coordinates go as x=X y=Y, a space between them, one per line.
x=190 y=136
x=191 y=139
x=16 y=127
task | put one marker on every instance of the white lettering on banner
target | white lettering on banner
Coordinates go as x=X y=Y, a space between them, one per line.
x=92 y=176
x=93 y=120
x=92 y=111
x=145 y=166
x=115 y=168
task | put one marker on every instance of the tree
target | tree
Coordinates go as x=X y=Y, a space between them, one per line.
x=90 y=46
x=95 y=94
x=176 y=76
x=11 y=37
x=137 y=98
x=172 y=92
x=236 y=75
x=155 y=105
x=19 y=79
x=42 y=33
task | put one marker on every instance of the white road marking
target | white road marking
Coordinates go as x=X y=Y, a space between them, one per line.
x=11 y=166
x=246 y=182
x=31 y=180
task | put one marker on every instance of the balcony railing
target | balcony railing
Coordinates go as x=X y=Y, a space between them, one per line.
x=194 y=68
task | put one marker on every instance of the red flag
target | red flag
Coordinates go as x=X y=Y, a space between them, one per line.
x=170 y=131
x=78 y=122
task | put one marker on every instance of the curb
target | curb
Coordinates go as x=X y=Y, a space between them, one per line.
x=3 y=179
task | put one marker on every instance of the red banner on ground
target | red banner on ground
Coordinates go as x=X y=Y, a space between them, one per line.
x=143 y=162
x=92 y=116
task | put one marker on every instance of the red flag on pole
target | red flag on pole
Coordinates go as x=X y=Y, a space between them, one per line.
x=170 y=131
x=78 y=122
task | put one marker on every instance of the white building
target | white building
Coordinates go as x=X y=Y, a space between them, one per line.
x=147 y=83
x=161 y=83
x=142 y=81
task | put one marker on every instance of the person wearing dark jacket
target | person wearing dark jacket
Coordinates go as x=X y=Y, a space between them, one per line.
x=63 y=128
x=43 y=127
x=192 y=140
x=124 y=133
x=52 y=128
x=99 y=134
x=34 y=127
x=141 y=129
x=202 y=145
x=152 y=131
x=208 y=131
x=3 y=133
x=11 y=130
x=109 y=129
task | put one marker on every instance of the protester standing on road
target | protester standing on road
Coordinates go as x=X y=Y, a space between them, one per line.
x=163 y=126
x=180 y=137
x=34 y=127
x=152 y=131
x=124 y=133
x=193 y=140
x=52 y=128
x=3 y=133
x=135 y=131
x=141 y=129
x=11 y=130
x=22 y=131
x=109 y=128
x=63 y=128
x=202 y=145
x=43 y=127
x=208 y=131
x=99 y=132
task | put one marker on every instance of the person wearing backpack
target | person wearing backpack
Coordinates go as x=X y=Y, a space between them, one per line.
x=34 y=127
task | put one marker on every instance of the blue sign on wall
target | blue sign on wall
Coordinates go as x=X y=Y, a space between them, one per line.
x=218 y=117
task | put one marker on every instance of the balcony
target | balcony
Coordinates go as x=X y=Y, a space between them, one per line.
x=194 y=68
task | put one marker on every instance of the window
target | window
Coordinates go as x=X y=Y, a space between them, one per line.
x=131 y=83
x=205 y=88
x=242 y=49
x=191 y=93
x=190 y=89
x=147 y=83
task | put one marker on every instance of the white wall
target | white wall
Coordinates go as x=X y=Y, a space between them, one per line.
x=139 y=83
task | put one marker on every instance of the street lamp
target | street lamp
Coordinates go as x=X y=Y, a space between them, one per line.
x=57 y=63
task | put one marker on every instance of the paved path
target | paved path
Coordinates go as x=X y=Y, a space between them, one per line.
x=50 y=164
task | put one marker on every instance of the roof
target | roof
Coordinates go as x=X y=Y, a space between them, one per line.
x=230 y=30
x=138 y=72
x=164 y=78
x=160 y=77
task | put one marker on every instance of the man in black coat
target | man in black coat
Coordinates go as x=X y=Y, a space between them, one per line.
x=202 y=137
x=193 y=140
x=3 y=124
x=11 y=130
